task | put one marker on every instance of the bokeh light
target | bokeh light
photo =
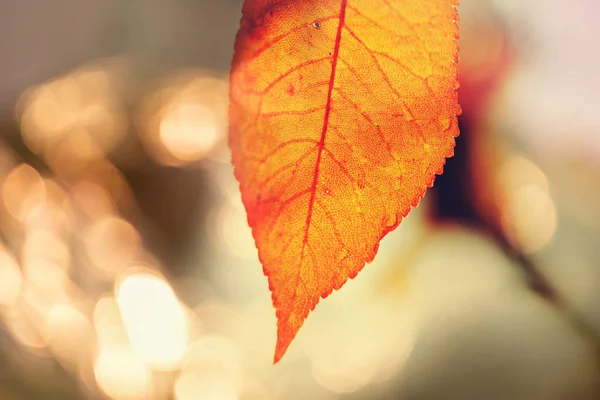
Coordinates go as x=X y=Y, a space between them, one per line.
x=193 y=385
x=528 y=213
x=355 y=352
x=23 y=327
x=70 y=335
x=184 y=119
x=22 y=190
x=530 y=216
x=188 y=131
x=235 y=235
x=128 y=270
x=92 y=199
x=45 y=244
x=10 y=279
x=153 y=319
x=108 y=324
x=217 y=356
x=77 y=118
x=122 y=375
x=112 y=243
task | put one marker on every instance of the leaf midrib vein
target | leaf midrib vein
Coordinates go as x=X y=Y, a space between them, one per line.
x=321 y=145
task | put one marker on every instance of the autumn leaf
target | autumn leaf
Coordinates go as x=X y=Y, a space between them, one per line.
x=341 y=114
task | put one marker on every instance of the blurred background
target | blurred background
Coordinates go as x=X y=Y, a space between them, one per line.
x=127 y=270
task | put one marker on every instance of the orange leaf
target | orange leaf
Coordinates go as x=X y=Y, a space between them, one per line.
x=341 y=114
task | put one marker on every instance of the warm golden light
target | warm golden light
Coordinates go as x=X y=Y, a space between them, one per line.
x=10 y=279
x=108 y=324
x=528 y=213
x=77 y=149
x=69 y=333
x=194 y=386
x=46 y=276
x=154 y=319
x=119 y=371
x=112 y=243
x=188 y=131
x=234 y=230
x=122 y=375
x=45 y=244
x=23 y=189
x=530 y=218
x=92 y=199
x=52 y=211
x=218 y=356
x=113 y=183
x=77 y=116
x=348 y=358
x=185 y=119
x=136 y=191
x=48 y=111
x=23 y=328
x=519 y=171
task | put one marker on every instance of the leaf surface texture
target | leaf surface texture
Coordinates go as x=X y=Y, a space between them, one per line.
x=341 y=114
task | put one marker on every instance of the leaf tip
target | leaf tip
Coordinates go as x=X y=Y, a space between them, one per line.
x=280 y=350
x=287 y=328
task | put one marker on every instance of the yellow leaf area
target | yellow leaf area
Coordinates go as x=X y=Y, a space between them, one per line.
x=341 y=114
